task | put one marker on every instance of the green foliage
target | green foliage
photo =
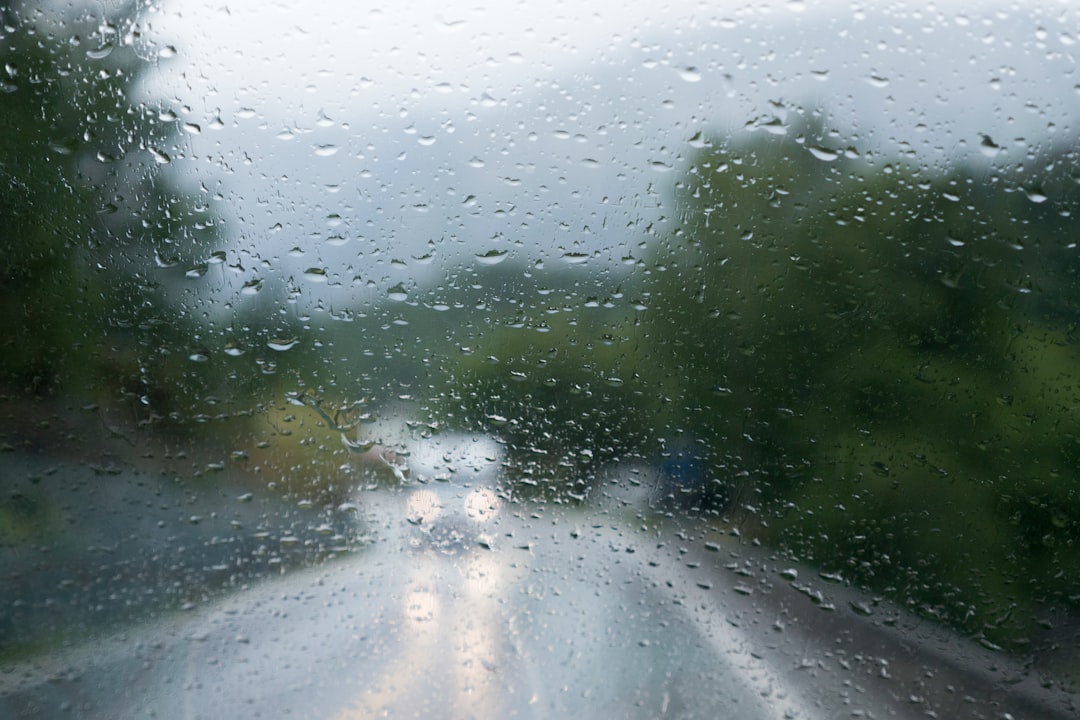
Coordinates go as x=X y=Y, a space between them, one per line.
x=88 y=222
x=554 y=375
x=889 y=354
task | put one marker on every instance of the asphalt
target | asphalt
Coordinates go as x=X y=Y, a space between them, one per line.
x=466 y=604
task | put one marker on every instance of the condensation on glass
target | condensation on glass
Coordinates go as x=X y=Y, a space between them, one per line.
x=516 y=361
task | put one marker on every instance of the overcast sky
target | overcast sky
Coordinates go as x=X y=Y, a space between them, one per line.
x=345 y=137
x=345 y=58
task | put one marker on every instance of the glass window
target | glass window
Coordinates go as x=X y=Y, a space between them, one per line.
x=520 y=360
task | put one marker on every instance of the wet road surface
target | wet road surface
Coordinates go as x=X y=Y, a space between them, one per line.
x=464 y=605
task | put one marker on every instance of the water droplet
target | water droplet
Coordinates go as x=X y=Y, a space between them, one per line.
x=192 y=129
x=861 y=608
x=251 y=287
x=492 y=257
x=659 y=166
x=199 y=356
x=63 y=147
x=398 y=293
x=823 y=153
x=233 y=351
x=776 y=126
x=326 y=150
x=451 y=25
x=167 y=52
x=988 y=147
x=100 y=53
x=282 y=345
x=1036 y=196
x=165 y=262
x=690 y=74
x=574 y=258
x=315 y=274
x=878 y=81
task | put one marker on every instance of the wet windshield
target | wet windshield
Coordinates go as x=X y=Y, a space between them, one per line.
x=465 y=361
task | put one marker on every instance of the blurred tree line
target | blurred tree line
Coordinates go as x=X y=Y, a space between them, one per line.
x=97 y=238
x=872 y=363
x=94 y=234
x=879 y=361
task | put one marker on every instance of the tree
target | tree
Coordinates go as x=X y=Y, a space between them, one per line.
x=880 y=361
x=95 y=231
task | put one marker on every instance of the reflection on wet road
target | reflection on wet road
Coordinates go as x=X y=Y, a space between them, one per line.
x=446 y=639
x=462 y=607
x=466 y=604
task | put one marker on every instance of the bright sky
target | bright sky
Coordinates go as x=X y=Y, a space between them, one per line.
x=284 y=65
x=338 y=55
x=541 y=109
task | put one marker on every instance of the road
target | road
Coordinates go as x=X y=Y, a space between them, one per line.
x=433 y=618
x=466 y=605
